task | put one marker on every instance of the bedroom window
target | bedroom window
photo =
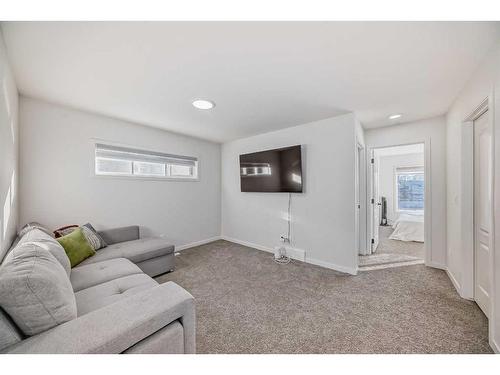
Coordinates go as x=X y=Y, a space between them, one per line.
x=123 y=161
x=410 y=189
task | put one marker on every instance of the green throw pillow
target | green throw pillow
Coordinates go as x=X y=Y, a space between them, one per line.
x=76 y=246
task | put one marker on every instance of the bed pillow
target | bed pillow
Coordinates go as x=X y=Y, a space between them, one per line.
x=76 y=246
x=35 y=290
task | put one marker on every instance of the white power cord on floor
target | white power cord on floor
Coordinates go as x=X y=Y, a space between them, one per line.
x=283 y=258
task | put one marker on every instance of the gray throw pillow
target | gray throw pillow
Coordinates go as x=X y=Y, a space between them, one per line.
x=35 y=290
x=50 y=244
x=94 y=239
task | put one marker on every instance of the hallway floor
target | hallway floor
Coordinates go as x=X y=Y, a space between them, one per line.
x=388 y=246
x=392 y=253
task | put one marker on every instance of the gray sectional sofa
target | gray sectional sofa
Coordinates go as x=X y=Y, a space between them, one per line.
x=109 y=303
x=153 y=255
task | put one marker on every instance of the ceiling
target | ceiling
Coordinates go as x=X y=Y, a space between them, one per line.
x=262 y=76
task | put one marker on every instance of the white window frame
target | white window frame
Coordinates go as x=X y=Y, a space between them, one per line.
x=118 y=175
x=408 y=169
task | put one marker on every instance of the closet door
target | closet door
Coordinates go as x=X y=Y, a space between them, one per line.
x=482 y=212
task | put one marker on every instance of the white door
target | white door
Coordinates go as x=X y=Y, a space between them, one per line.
x=375 y=204
x=482 y=211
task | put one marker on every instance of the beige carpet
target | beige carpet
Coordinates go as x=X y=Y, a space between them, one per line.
x=246 y=303
x=392 y=253
x=388 y=246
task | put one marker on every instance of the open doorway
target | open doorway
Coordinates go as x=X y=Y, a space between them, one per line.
x=397 y=205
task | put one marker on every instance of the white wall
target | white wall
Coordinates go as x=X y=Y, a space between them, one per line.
x=387 y=182
x=9 y=151
x=58 y=185
x=323 y=217
x=478 y=88
x=484 y=82
x=432 y=132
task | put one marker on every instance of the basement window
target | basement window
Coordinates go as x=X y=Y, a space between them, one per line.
x=410 y=189
x=129 y=162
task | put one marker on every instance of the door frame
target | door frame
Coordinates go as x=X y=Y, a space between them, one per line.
x=468 y=208
x=428 y=194
x=360 y=181
x=373 y=206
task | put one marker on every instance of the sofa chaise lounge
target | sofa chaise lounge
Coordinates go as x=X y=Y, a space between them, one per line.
x=118 y=307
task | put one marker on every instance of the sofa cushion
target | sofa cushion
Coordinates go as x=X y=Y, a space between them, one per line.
x=120 y=234
x=50 y=244
x=101 y=295
x=33 y=225
x=169 y=339
x=136 y=251
x=35 y=290
x=76 y=246
x=86 y=276
x=9 y=333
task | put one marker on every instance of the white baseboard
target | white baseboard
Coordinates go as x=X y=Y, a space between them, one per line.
x=197 y=243
x=454 y=281
x=297 y=255
x=248 y=244
x=495 y=346
x=333 y=266
x=437 y=265
x=390 y=265
x=457 y=285
x=293 y=253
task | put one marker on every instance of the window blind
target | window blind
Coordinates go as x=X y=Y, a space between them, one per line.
x=136 y=155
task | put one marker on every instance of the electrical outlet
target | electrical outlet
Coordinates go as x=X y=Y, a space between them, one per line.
x=284 y=239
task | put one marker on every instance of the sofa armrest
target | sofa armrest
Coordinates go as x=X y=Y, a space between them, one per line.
x=121 y=234
x=116 y=327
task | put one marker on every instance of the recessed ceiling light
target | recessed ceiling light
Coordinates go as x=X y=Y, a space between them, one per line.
x=394 y=117
x=203 y=104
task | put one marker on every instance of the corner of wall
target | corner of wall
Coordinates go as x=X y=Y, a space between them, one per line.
x=9 y=154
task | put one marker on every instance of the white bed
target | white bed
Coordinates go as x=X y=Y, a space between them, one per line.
x=408 y=227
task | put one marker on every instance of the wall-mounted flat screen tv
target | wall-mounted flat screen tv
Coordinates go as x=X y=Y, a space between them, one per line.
x=272 y=171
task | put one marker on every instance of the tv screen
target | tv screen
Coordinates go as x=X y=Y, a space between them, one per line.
x=272 y=171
